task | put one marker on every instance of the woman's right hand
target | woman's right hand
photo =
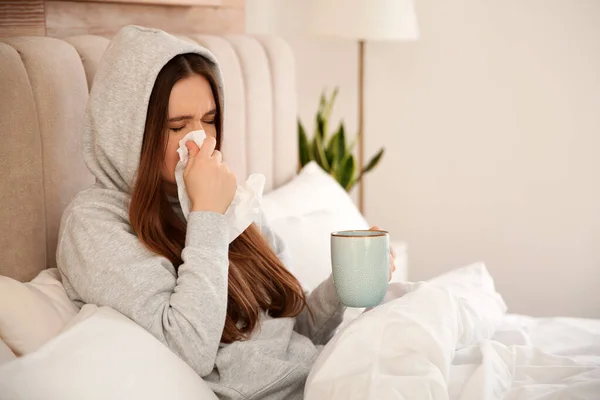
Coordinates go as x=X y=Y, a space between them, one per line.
x=210 y=184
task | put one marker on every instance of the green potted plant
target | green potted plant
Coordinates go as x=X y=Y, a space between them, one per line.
x=332 y=152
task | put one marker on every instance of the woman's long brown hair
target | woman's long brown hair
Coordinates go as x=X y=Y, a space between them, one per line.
x=258 y=281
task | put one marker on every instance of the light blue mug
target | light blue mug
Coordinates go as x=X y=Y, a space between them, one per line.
x=361 y=266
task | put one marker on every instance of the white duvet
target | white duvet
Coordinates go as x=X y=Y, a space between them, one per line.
x=445 y=339
x=450 y=339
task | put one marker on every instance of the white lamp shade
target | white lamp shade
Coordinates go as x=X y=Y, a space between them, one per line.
x=370 y=20
x=351 y=19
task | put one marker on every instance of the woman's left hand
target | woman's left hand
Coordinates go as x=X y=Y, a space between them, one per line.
x=392 y=254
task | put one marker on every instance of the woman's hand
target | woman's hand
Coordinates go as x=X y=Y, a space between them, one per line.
x=209 y=183
x=392 y=254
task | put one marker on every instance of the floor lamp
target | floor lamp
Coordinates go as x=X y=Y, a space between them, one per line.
x=364 y=20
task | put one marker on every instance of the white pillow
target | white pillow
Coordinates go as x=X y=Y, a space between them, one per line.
x=102 y=355
x=472 y=277
x=303 y=213
x=32 y=313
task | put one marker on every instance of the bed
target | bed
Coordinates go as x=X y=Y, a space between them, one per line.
x=52 y=350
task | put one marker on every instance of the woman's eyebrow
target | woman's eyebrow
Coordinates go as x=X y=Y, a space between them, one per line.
x=180 y=118
x=211 y=113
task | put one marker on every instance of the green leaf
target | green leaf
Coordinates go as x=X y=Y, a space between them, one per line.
x=336 y=150
x=373 y=161
x=322 y=103
x=330 y=150
x=304 y=146
x=319 y=153
x=320 y=127
x=341 y=150
x=319 y=120
x=329 y=107
x=370 y=165
x=351 y=185
x=346 y=171
x=324 y=113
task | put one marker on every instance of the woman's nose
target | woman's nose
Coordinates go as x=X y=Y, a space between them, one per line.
x=197 y=126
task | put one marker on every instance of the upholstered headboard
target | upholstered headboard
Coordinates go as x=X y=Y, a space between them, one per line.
x=44 y=85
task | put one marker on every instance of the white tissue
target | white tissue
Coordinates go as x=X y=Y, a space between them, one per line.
x=245 y=207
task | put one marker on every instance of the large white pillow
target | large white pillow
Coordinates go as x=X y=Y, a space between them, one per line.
x=32 y=313
x=101 y=355
x=303 y=213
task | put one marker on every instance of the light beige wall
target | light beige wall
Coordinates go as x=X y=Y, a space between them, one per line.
x=322 y=63
x=325 y=64
x=492 y=126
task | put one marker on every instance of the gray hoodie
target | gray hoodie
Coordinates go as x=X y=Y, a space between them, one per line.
x=102 y=262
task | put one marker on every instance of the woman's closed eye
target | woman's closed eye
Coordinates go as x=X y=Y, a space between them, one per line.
x=177 y=129
x=182 y=120
x=210 y=117
x=180 y=128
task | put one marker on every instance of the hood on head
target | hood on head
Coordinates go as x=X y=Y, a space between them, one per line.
x=118 y=102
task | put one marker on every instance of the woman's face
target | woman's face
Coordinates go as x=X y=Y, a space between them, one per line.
x=191 y=107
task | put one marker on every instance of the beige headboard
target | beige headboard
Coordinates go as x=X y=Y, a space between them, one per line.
x=43 y=91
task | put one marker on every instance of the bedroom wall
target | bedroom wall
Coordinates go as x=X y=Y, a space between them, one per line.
x=492 y=126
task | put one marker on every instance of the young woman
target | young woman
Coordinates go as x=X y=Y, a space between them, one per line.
x=231 y=311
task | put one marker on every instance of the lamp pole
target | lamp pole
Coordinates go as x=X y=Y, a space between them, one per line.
x=361 y=122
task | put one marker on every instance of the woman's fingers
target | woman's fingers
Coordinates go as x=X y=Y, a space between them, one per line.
x=208 y=147
x=217 y=154
x=193 y=151
x=193 y=148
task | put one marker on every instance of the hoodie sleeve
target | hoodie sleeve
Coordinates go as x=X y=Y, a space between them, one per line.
x=325 y=311
x=105 y=264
